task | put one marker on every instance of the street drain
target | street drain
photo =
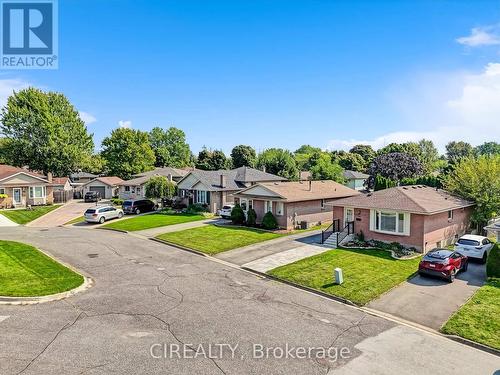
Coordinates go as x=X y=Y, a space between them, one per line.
x=92 y=255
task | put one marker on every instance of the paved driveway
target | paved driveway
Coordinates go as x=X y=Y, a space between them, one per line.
x=62 y=215
x=147 y=294
x=430 y=301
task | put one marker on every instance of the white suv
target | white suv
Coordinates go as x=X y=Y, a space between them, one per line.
x=474 y=246
x=102 y=213
x=225 y=211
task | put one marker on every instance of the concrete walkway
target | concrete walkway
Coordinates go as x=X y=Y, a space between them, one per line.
x=430 y=301
x=286 y=257
x=5 y=222
x=63 y=214
x=153 y=232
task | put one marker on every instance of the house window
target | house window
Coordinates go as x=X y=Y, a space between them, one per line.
x=138 y=189
x=390 y=222
x=280 y=208
x=37 y=192
x=450 y=215
x=269 y=206
x=250 y=204
x=349 y=215
x=243 y=204
x=322 y=204
x=127 y=189
x=201 y=196
x=2 y=191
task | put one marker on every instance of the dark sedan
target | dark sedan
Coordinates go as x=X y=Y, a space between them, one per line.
x=138 y=206
x=443 y=263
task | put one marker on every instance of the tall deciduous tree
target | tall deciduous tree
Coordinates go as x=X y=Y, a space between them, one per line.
x=278 y=161
x=243 y=156
x=304 y=156
x=488 y=148
x=325 y=168
x=394 y=166
x=212 y=160
x=458 y=150
x=170 y=147
x=127 y=152
x=365 y=151
x=45 y=132
x=478 y=180
x=159 y=187
x=350 y=161
x=429 y=155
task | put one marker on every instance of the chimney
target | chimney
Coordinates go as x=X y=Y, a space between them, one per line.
x=169 y=177
x=310 y=185
x=223 y=181
x=49 y=177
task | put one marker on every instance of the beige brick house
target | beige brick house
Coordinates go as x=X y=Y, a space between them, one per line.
x=293 y=202
x=20 y=187
x=415 y=216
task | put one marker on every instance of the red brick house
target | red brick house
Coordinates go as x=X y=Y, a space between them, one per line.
x=415 y=216
x=293 y=202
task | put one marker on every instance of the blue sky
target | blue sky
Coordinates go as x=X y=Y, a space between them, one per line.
x=280 y=73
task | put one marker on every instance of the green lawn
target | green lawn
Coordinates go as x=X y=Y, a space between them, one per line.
x=79 y=219
x=479 y=319
x=211 y=239
x=153 y=221
x=25 y=271
x=25 y=216
x=367 y=273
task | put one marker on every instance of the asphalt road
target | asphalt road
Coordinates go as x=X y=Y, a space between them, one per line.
x=148 y=296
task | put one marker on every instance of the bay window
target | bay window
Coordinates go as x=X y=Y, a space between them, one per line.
x=390 y=222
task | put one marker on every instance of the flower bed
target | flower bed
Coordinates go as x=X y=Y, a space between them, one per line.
x=399 y=251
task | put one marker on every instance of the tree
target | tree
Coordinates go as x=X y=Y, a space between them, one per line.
x=95 y=164
x=251 y=217
x=127 y=152
x=44 y=132
x=243 y=156
x=170 y=147
x=237 y=215
x=350 y=161
x=488 y=148
x=159 y=187
x=278 y=161
x=269 y=221
x=477 y=180
x=304 y=155
x=3 y=150
x=429 y=155
x=458 y=150
x=326 y=169
x=365 y=151
x=394 y=166
x=212 y=160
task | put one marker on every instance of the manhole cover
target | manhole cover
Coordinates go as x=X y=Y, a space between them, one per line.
x=92 y=255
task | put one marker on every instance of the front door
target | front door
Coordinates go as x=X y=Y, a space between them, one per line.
x=349 y=215
x=16 y=196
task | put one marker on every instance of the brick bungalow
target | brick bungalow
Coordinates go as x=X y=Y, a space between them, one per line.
x=293 y=202
x=217 y=188
x=415 y=216
x=23 y=187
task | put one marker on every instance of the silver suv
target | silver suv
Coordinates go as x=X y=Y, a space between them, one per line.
x=102 y=213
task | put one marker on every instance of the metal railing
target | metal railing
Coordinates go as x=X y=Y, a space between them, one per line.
x=348 y=229
x=332 y=228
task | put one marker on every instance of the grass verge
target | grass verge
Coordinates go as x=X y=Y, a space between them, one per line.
x=367 y=273
x=26 y=216
x=76 y=220
x=153 y=221
x=212 y=239
x=27 y=272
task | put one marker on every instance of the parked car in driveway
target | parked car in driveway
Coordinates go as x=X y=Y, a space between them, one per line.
x=102 y=213
x=443 y=263
x=138 y=206
x=225 y=211
x=473 y=246
x=92 y=196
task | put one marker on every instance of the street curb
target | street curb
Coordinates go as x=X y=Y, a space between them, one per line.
x=306 y=288
x=87 y=283
x=180 y=247
x=473 y=344
x=113 y=229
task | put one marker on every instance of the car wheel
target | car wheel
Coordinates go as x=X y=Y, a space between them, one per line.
x=102 y=220
x=137 y=211
x=120 y=215
x=484 y=258
x=451 y=278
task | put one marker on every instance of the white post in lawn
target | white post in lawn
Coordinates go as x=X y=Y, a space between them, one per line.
x=338 y=275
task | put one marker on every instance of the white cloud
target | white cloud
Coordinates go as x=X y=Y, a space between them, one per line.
x=125 y=124
x=469 y=111
x=87 y=118
x=481 y=36
x=8 y=86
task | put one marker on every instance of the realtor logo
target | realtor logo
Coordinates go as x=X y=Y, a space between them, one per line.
x=29 y=34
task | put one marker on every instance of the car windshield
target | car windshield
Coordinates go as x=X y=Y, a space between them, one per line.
x=438 y=255
x=466 y=242
x=90 y=211
x=127 y=203
x=226 y=207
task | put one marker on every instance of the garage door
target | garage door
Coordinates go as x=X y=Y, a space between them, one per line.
x=100 y=189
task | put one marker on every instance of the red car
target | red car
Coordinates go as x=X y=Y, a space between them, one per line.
x=443 y=263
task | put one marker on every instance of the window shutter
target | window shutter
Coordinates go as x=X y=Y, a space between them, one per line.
x=407 y=223
x=208 y=197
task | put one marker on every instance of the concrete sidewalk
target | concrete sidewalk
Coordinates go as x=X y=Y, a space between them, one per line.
x=285 y=257
x=5 y=222
x=153 y=232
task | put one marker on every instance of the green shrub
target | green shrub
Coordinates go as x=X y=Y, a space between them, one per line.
x=493 y=264
x=117 y=201
x=237 y=215
x=269 y=221
x=197 y=208
x=251 y=217
x=361 y=236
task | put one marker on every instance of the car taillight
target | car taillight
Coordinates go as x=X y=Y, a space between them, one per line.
x=94 y=215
